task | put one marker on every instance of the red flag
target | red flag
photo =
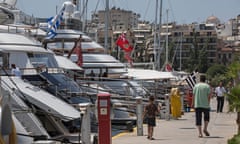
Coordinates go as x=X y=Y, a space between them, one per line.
x=123 y=43
x=168 y=68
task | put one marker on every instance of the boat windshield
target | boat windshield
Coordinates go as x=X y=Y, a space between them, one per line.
x=140 y=89
x=42 y=60
x=61 y=82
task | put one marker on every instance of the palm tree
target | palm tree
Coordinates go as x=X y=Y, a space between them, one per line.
x=234 y=94
x=234 y=102
x=233 y=72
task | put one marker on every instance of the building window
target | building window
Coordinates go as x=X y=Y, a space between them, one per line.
x=212 y=54
x=229 y=55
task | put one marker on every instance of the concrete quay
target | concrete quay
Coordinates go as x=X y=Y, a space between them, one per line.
x=222 y=126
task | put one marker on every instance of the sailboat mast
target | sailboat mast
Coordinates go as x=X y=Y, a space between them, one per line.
x=83 y=16
x=159 y=36
x=180 y=69
x=156 y=64
x=106 y=25
x=166 y=61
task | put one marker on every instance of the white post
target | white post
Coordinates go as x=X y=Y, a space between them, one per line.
x=139 y=113
x=6 y=116
x=167 y=102
x=86 y=125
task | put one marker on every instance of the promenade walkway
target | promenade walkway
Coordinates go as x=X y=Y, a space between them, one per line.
x=222 y=126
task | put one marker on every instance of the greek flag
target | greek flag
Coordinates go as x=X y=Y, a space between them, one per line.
x=191 y=80
x=53 y=23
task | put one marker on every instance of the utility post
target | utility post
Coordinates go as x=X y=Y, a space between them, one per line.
x=139 y=113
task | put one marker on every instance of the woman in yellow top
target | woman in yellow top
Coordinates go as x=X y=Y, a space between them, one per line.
x=175 y=100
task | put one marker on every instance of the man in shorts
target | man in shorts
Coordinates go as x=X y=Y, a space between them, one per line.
x=201 y=103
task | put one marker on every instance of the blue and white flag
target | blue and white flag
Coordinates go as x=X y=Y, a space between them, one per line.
x=54 y=23
x=192 y=79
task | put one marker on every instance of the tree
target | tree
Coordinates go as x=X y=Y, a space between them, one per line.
x=234 y=72
x=202 y=60
x=216 y=69
x=198 y=55
x=234 y=102
x=216 y=73
x=234 y=94
x=193 y=53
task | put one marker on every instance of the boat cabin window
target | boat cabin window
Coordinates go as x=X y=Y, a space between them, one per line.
x=60 y=45
x=4 y=60
x=6 y=17
x=42 y=60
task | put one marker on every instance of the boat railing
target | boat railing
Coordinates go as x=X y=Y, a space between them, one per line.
x=158 y=89
x=27 y=30
x=30 y=71
x=127 y=99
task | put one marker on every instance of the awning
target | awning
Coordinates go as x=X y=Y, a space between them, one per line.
x=66 y=63
x=146 y=74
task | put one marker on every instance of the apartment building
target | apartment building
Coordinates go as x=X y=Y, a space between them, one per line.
x=181 y=38
x=118 y=19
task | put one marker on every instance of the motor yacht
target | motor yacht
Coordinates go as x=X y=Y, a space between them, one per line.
x=45 y=114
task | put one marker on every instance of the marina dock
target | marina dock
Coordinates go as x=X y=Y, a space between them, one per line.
x=222 y=126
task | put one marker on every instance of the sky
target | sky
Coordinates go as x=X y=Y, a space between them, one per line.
x=180 y=11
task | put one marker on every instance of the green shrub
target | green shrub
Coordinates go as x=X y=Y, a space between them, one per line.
x=234 y=140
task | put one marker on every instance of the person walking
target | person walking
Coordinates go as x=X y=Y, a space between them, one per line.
x=201 y=103
x=220 y=91
x=150 y=111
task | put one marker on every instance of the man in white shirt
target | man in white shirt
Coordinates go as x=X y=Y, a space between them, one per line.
x=15 y=71
x=220 y=91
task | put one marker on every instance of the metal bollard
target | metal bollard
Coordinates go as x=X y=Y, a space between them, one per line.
x=182 y=102
x=167 y=103
x=86 y=123
x=139 y=113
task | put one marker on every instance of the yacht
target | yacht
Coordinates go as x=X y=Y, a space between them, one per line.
x=43 y=114
x=94 y=56
x=49 y=113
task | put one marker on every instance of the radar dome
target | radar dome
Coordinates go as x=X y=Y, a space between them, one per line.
x=69 y=7
x=212 y=20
